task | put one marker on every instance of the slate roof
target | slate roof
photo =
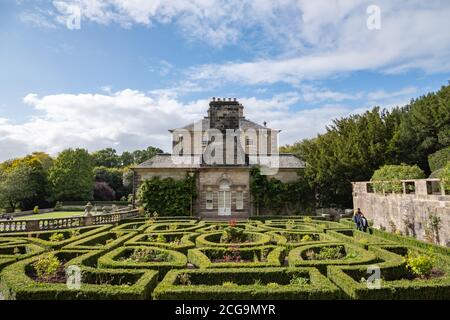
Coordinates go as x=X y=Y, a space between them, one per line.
x=244 y=124
x=165 y=161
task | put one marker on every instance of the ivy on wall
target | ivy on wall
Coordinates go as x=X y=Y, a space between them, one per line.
x=277 y=197
x=167 y=197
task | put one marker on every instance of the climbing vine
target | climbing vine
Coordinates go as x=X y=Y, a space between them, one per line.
x=275 y=196
x=168 y=197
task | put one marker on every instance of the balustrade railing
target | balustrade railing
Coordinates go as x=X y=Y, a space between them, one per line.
x=9 y=226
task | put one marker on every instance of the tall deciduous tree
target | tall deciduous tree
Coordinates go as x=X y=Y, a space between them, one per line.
x=71 y=175
x=16 y=185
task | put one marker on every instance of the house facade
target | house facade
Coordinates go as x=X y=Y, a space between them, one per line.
x=220 y=150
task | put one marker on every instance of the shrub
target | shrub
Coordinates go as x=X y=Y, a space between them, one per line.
x=420 y=265
x=56 y=237
x=439 y=159
x=36 y=210
x=47 y=266
x=388 y=177
x=168 y=197
x=103 y=192
x=445 y=176
x=249 y=283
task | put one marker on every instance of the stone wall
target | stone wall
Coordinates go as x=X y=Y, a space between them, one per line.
x=410 y=212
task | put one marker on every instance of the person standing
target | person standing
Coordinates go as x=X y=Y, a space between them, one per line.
x=364 y=222
x=357 y=219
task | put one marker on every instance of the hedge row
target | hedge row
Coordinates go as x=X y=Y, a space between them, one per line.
x=42 y=238
x=265 y=256
x=298 y=238
x=97 y=284
x=395 y=283
x=186 y=240
x=263 y=283
x=172 y=260
x=213 y=240
x=101 y=241
x=354 y=255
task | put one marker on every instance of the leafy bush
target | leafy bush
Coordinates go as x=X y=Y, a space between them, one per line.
x=439 y=159
x=326 y=253
x=420 y=265
x=36 y=210
x=103 y=192
x=233 y=235
x=47 y=266
x=445 y=176
x=388 y=177
x=168 y=197
x=56 y=237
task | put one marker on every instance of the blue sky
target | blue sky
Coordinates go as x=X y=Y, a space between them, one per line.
x=135 y=69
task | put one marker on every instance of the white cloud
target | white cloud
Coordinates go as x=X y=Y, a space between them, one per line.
x=37 y=19
x=130 y=119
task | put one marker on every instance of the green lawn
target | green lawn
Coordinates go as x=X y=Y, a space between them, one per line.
x=50 y=215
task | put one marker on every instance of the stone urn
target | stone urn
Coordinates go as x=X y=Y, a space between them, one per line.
x=87 y=209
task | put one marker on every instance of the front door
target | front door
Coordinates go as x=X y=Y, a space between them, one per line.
x=224 y=203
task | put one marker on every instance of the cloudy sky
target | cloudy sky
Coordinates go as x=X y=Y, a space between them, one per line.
x=120 y=73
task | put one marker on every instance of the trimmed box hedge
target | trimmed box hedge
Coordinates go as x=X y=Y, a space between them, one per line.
x=186 y=240
x=296 y=256
x=102 y=241
x=251 y=283
x=97 y=284
x=273 y=255
x=174 y=227
x=213 y=240
x=42 y=238
x=292 y=239
x=175 y=260
x=394 y=284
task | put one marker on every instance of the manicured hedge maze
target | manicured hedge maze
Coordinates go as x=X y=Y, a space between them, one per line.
x=171 y=258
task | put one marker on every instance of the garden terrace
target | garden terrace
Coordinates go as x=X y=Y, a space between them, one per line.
x=189 y=259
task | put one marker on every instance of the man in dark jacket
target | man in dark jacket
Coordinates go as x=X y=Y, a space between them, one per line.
x=357 y=219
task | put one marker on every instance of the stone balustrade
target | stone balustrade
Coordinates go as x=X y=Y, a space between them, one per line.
x=9 y=226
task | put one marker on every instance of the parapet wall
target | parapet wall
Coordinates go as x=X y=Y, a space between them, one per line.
x=421 y=209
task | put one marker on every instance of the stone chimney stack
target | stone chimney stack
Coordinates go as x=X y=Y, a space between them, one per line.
x=225 y=114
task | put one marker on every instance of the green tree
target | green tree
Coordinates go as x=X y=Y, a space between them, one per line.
x=140 y=156
x=71 y=176
x=107 y=158
x=16 y=185
x=114 y=177
x=127 y=159
x=424 y=128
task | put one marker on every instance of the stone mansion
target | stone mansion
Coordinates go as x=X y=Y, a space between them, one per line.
x=221 y=148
